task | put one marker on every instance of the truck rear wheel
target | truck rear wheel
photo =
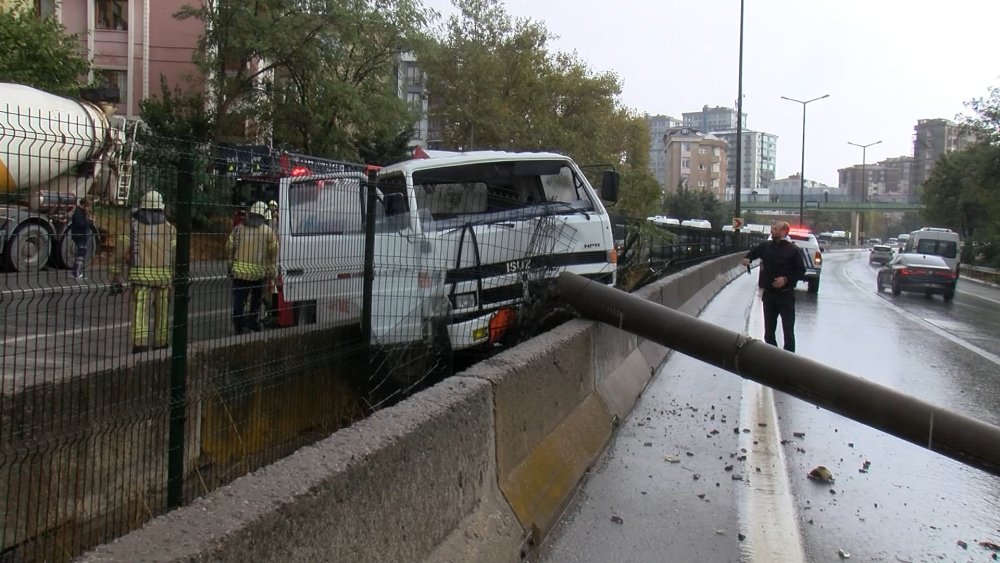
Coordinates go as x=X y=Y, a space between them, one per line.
x=28 y=249
x=65 y=251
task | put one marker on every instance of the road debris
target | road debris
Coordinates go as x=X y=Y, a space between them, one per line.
x=617 y=520
x=962 y=544
x=822 y=474
x=843 y=554
x=799 y=434
x=671 y=459
x=990 y=545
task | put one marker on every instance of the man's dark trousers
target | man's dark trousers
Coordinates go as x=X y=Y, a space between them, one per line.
x=779 y=304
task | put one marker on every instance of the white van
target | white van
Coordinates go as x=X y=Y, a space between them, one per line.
x=462 y=242
x=932 y=240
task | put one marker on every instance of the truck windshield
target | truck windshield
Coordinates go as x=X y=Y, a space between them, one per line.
x=486 y=193
x=326 y=207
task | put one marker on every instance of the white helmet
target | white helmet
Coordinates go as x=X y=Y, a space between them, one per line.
x=258 y=208
x=151 y=200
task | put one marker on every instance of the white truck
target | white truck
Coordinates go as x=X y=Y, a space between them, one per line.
x=464 y=249
x=53 y=151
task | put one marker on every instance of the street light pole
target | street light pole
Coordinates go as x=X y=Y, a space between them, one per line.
x=739 y=137
x=864 y=179
x=802 y=170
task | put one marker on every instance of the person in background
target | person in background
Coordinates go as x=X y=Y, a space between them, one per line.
x=781 y=268
x=148 y=253
x=81 y=230
x=253 y=251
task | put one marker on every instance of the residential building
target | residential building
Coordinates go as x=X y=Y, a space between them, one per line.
x=132 y=43
x=760 y=151
x=696 y=160
x=412 y=87
x=931 y=139
x=658 y=126
x=903 y=187
x=712 y=119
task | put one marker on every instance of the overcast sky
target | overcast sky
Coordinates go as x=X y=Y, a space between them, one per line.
x=885 y=64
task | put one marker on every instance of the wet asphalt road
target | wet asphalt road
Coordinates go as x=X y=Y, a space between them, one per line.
x=751 y=500
x=53 y=325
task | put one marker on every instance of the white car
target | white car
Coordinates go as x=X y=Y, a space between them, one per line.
x=811 y=255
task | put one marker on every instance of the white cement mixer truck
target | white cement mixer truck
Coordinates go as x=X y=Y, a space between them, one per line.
x=54 y=151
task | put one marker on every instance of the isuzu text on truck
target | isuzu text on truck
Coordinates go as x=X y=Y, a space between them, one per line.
x=464 y=244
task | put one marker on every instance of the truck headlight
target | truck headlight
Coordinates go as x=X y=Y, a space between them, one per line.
x=465 y=300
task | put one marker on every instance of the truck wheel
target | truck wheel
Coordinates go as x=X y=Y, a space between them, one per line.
x=65 y=254
x=28 y=250
x=814 y=286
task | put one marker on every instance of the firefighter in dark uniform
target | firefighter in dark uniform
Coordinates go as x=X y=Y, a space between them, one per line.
x=781 y=268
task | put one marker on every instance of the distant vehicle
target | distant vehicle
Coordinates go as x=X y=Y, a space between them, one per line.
x=661 y=220
x=940 y=242
x=918 y=273
x=881 y=254
x=901 y=240
x=755 y=228
x=893 y=241
x=728 y=228
x=874 y=240
x=697 y=223
x=812 y=256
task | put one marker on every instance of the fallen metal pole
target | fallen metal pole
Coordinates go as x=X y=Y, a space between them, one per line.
x=957 y=436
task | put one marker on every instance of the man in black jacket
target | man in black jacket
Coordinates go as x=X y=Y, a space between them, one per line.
x=781 y=268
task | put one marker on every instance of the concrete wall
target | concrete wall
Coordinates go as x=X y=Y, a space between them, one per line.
x=84 y=458
x=478 y=468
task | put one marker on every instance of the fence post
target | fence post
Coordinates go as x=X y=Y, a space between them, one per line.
x=369 y=280
x=178 y=350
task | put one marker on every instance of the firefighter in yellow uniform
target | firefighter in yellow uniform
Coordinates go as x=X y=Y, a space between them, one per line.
x=253 y=251
x=148 y=252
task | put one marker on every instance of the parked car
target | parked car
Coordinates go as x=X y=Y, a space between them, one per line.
x=918 y=273
x=812 y=255
x=881 y=254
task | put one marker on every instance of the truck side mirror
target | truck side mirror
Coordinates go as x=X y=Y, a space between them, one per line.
x=394 y=204
x=609 y=185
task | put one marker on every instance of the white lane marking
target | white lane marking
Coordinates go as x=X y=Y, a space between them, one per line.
x=76 y=287
x=866 y=289
x=115 y=326
x=769 y=515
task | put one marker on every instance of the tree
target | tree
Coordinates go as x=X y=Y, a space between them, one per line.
x=986 y=121
x=963 y=191
x=37 y=51
x=640 y=194
x=684 y=203
x=494 y=83
x=317 y=76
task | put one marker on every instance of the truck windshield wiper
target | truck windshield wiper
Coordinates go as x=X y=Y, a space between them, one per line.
x=568 y=207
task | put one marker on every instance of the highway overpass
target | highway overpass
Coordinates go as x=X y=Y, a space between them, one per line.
x=866 y=206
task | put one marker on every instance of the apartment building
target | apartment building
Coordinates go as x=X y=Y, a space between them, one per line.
x=658 y=127
x=759 y=162
x=931 y=139
x=696 y=160
x=411 y=85
x=712 y=119
x=131 y=43
x=888 y=180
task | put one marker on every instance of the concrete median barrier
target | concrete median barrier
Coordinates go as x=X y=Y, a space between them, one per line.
x=477 y=468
